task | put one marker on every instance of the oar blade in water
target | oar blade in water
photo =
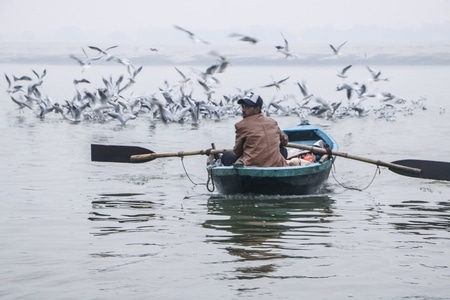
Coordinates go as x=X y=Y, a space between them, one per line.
x=438 y=170
x=114 y=153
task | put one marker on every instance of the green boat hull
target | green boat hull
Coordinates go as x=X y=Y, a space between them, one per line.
x=292 y=180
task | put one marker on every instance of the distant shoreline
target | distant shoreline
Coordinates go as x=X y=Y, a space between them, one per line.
x=425 y=53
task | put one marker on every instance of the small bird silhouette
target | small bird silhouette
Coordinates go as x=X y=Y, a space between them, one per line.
x=191 y=35
x=342 y=72
x=336 y=50
x=244 y=38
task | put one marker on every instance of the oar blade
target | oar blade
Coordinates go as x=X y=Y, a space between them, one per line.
x=115 y=153
x=438 y=170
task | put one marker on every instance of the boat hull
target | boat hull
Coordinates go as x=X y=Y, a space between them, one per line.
x=271 y=181
x=291 y=180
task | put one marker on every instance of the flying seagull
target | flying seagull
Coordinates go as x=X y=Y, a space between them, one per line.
x=276 y=84
x=244 y=38
x=337 y=49
x=342 y=72
x=107 y=55
x=191 y=35
x=376 y=75
x=285 y=49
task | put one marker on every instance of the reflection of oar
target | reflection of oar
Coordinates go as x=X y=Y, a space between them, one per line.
x=132 y=154
x=410 y=167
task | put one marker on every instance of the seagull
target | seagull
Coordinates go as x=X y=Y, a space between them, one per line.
x=306 y=94
x=12 y=89
x=342 y=74
x=180 y=115
x=376 y=75
x=165 y=114
x=337 y=49
x=40 y=76
x=86 y=62
x=82 y=80
x=76 y=110
x=285 y=49
x=45 y=106
x=362 y=92
x=191 y=35
x=127 y=63
x=279 y=108
x=22 y=104
x=276 y=84
x=223 y=62
x=26 y=78
x=208 y=90
x=321 y=108
x=123 y=119
x=133 y=72
x=108 y=56
x=347 y=87
x=185 y=78
x=244 y=38
x=207 y=75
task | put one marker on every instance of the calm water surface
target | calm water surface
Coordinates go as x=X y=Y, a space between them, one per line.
x=75 y=229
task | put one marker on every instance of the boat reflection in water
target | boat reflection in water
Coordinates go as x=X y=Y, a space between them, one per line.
x=260 y=230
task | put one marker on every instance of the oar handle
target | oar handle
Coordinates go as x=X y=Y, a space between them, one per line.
x=151 y=156
x=355 y=157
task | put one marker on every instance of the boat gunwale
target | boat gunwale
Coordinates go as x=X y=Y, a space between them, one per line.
x=286 y=171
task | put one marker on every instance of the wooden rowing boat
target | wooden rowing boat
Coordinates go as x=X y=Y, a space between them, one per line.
x=290 y=180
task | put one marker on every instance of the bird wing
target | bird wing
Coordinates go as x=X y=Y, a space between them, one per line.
x=346 y=68
x=269 y=85
x=97 y=49
x=374 y=73
x=303 y=89
x=235 y=35
x=77 y=59
x=283 y=80
x=342 y=45
x=334 y=49
x=181 y=73
x=182 y=29
x=112 y=47
x=8 y=80
x=212 y=69
x=286 y=43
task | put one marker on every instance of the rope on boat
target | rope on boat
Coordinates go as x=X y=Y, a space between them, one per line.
x=209 y=183
x=185 y=172
x=377 y=171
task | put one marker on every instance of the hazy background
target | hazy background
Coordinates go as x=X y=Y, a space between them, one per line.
x=377 y=32
x=151 y=22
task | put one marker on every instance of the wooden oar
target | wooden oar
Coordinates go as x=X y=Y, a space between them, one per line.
x=438 y=170
x=414 y=168
x=133 y=154
x=148 y=157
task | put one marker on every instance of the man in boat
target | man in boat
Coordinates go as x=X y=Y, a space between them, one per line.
x=259 y=140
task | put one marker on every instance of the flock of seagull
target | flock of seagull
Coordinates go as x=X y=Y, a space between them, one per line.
x=110 y=101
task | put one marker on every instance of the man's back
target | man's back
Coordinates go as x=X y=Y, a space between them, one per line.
x=258 y=141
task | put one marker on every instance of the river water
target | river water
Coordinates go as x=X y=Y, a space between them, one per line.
x=71 y=228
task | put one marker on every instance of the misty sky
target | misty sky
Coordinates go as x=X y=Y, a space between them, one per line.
x=153 y=21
